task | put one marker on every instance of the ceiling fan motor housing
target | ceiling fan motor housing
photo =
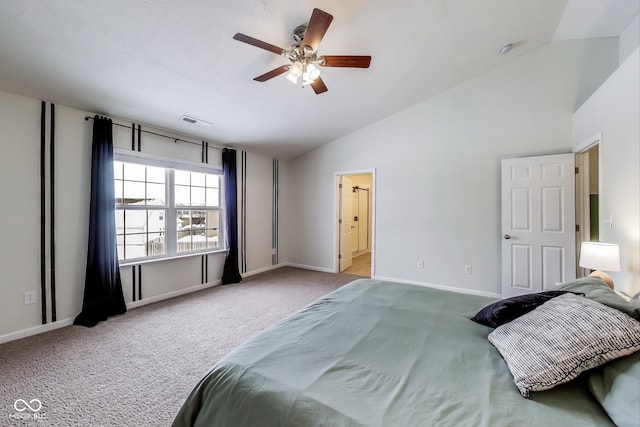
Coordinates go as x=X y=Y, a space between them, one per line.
x=299 y=32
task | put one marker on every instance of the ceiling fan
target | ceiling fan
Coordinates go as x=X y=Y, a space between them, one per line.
x=303 y=54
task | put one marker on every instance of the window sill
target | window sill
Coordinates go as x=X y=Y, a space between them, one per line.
x=140 y=261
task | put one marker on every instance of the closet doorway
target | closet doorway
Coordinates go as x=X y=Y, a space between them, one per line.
x=354 y=223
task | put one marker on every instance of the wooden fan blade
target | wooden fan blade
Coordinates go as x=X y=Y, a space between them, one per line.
x=271 y=74
x=318 y=25
x=319 y=86
x=352 y=61
x=258 y=43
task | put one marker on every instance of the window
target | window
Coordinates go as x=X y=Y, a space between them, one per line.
x=162 y=211
x=197 y=200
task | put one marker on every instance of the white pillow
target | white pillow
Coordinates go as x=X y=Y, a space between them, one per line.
x=562 y=338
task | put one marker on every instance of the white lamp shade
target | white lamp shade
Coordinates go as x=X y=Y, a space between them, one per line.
x=600 y=256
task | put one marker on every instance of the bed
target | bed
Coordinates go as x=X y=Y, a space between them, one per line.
x=376 y=353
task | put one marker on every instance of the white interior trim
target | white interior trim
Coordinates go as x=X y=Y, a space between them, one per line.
x=440 y=287
x=583 y=196
x=588 y=143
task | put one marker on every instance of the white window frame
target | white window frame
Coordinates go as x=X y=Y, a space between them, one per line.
x=170 y=208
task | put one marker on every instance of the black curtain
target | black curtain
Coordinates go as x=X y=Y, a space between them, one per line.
x=103 y=295
x=230 y=274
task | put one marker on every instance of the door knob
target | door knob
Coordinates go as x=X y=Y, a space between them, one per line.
x=507 y=237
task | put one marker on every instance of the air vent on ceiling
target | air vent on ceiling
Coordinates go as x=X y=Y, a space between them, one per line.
x=194 y=121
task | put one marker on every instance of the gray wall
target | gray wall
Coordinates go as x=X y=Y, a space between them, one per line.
x=612 y=115
x=437 y=167
x=20 y=208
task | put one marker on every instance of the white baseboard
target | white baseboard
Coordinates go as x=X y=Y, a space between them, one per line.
x=441 y=287
x=262 y=270
x=157 y=298
x=307 y=267
x=35 y=330
x=40 y=329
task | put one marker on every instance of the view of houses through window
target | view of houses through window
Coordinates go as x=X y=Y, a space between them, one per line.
x=162 y=211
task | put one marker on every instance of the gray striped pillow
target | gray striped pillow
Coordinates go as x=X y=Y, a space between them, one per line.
x=562 y=338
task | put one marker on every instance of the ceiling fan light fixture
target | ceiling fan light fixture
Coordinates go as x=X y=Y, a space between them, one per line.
x=311 y=73
x=292 y=78
x=297 y=69
x=303 y=54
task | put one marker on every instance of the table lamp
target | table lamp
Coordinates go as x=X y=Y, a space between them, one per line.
x=600 y=257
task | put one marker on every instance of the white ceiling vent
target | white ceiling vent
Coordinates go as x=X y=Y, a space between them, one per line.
x=194 y=121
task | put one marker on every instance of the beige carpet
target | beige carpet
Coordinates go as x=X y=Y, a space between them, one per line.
x=138 y=368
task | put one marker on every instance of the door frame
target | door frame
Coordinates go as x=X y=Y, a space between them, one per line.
x=582 y=194
x=336 y=211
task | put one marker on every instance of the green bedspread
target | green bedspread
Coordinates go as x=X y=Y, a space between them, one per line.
x=377 y=353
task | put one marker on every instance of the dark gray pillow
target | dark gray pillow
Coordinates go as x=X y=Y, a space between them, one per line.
x=562 y=338
x=505 y=310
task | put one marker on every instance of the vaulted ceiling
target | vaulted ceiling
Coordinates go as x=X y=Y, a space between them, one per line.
x=156 y=61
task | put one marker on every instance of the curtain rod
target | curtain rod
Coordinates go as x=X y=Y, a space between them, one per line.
x=159 y=134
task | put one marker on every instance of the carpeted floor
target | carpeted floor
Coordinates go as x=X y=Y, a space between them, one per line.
x=138 y=368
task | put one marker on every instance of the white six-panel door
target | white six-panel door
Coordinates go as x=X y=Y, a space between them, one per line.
x=538 y=223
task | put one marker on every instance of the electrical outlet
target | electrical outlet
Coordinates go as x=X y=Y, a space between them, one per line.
x=29 y=297
x=420 y=263
x=468 y=269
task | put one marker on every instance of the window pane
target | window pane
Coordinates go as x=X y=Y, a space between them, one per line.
x=135 y=246
x=182 y=195
x=155 y=174
x=183 y=221
x=198 y=219
x=213 y=180
x=117 y=170
x=213 y=197
x=135 y=221
x=119 y=221
x=212 y=229
x=184 y=231
x=155 y=221
x=133 y=193
x=155 y=194
x=198 y=230
x=134 y=172
x=120 y=245
x=213 y=219
x=197 y=196
x=140 y=233
x=155 y=244
x=118 y=191
x=182 y=177
x=197 y=178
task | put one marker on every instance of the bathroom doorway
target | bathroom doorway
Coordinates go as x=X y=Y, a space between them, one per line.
x=355 y=223
x=588 y=178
